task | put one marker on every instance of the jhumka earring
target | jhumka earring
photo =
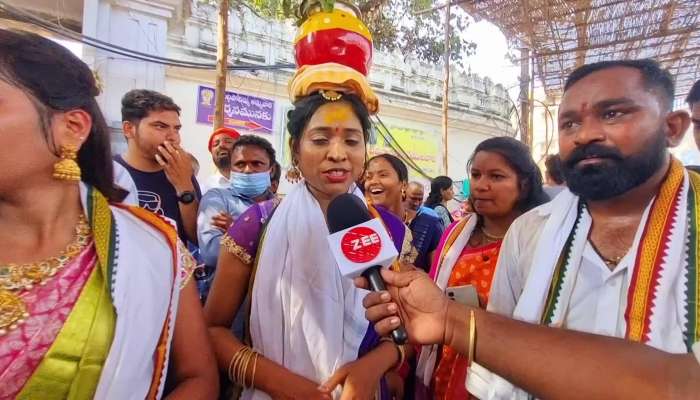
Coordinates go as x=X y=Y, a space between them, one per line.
x=67 y=169
x=293 y=174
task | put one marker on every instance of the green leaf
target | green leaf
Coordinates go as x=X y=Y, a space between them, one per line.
x=392 y=23
x=327 y=5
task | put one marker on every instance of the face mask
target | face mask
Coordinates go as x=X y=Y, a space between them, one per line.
x=250 y=185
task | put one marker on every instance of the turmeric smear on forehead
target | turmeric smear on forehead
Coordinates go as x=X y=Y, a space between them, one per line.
x=338 y=113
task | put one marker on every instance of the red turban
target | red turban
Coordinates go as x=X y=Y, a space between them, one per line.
x=232 y=133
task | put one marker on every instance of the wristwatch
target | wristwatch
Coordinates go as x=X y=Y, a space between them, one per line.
x=186 y=197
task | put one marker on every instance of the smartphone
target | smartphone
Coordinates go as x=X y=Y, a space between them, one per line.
x=465 y=294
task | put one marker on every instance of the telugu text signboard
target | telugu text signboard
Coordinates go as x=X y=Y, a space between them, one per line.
x=240 y=110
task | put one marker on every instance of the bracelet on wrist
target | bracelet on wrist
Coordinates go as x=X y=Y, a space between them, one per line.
x=400 y=348
x=239 y=365
x=472 y=337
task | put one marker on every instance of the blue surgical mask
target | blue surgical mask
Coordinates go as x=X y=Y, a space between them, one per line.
x=250 y=185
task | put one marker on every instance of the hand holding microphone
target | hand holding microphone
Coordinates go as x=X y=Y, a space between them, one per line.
x=361 y=245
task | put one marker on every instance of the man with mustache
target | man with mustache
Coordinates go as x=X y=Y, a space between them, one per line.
x=156 y=162
x=614 y=260
x=220 y=146
x=251 y=164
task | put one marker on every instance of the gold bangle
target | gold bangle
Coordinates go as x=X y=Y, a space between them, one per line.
x=402 y=355
x=238 y=367
x=230 y=365
x=244 y=367
x=245 y=372
x=238 y=357
x=234 y=369
x=400 y=348
x=472 y=336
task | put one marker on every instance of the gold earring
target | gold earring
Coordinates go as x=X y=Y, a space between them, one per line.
x=293 y=173
x=67 y=169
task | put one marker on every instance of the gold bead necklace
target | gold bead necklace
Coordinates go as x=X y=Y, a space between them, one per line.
x=17 y=278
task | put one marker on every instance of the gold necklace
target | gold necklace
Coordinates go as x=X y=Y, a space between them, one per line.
x=406 y=219
x=611 y=262
x=17 y=278
x=493 y=238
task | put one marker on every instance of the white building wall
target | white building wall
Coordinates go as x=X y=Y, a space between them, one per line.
x=410 y=93
x=461 y=146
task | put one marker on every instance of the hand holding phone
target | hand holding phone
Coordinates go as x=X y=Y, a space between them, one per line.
x=465 y=294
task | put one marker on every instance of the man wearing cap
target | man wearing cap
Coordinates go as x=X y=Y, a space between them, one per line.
x=220 y=146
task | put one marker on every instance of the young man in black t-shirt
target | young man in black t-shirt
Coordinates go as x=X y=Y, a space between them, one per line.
x=161 y=169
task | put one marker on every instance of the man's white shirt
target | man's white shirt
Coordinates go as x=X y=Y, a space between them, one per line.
x=597 y=303
x=215 y=181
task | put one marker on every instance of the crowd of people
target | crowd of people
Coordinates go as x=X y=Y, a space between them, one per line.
x=123 y=279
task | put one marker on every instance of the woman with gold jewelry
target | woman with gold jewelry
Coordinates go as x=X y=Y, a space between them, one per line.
x=95 y=297
x=306 y=322
x=505 y=182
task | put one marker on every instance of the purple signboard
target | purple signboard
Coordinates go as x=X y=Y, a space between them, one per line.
x=240 y=111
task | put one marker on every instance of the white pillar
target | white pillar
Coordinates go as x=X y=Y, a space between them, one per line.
x=139 y=25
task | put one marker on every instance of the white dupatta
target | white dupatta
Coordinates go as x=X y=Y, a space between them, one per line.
x=563 y=211
x=145 y=294
x=428 y=355
x=531 y=303
x=304 y=314
x=670 y=295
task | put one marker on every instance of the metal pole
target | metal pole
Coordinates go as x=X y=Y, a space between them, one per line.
x=221 y=64
x=446 y=85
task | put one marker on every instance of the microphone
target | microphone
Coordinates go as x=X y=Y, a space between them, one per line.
x=361 y=245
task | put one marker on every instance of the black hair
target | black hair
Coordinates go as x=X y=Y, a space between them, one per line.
x=276 y=172
x=257 y=141
x=396 y=163
x=58 y=81
x=554 y=168
x=653 y=76
x=437 y=185
x=518 y=157
x=694 y=94
x=137 y=103
x=304 y=109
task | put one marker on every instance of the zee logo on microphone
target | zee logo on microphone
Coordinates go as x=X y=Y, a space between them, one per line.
x=361 y=244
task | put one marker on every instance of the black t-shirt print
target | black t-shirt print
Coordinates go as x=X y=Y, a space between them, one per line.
x=157 y=194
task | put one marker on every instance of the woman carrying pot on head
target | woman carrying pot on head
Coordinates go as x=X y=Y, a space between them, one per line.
x=306 y=320
x=307 y=329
